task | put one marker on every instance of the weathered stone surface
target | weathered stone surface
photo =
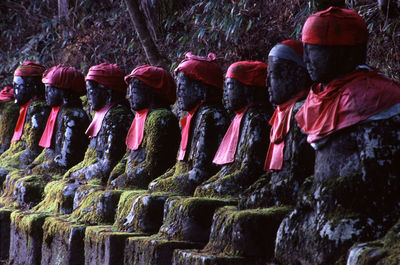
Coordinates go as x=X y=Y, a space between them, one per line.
x=207 y=129
x=353 y=197
x=26 y=237
x=156 y=154
x=108 y=145
x=246 y=233
x=197 y=257
x=190 y=219
x=141 y=212
x=249 y=160
x=105 y=245
x=153 y=250
x=62 y=242
x=5 y=222
x=281 y=187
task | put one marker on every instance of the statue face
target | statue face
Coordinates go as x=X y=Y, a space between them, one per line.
x=25 y=87
x=54 y=96
x=139 y=95
x=323 y=62
x=235 y=94
x=97 y=94
x=188 y=92
x=282 y=80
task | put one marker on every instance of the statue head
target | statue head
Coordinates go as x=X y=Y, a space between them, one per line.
x=245 y=84
x=150 y=87
x=105 y=84
x=334 y=43
x=287 y=73
x=63 y=84
x=27 y=82
x=199 y=79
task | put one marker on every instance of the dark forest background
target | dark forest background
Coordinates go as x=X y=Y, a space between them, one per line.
x=82 y=33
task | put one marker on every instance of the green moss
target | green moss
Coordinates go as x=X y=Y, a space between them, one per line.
x=58 y=225
x=40 y=158
x=53 y=197
x=92 y=209
x=125 y=205
x=28 y=222
x=119 y=169
x=98 y=234
x=89 y=159
x=8 y=120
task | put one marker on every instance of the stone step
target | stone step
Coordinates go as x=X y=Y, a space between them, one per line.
x=247 y=233
x=26 y=234
x=5 y=223
x=105 y=245
x=154 y=250
x=198 y=257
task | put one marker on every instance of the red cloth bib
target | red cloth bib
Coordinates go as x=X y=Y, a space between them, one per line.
x=185 y=124
x=227 y=149
x=135 y=134
x=97 y=121
x=45 y=141
x=345 y=102
x=19 y=127
x=280 y=122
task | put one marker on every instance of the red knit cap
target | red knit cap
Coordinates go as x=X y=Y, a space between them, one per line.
x=251 y=73
x=29 y=68
x=335 y=26
x=109 y=75
x=157 y=78
x=204 y=69
x=296 y=45
x=65 y=77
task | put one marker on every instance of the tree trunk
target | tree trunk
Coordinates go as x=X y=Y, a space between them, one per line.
x=150 y=48
x=63 y=8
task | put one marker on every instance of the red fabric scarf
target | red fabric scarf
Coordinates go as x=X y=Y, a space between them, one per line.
x=345 y=102
x=19 y=127
x=97 y=121
x=227 y=149
x=280 y=122
x=185 y=124
x=45 y=141
x=135 y=134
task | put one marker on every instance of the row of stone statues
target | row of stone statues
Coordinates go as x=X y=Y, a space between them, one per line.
x=329 y=149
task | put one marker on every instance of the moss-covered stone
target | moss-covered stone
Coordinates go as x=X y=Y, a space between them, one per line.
x=156 y=153
x=154 y=250
x=190 y=219
x=98 y=207
x=105 y=245
x=5 y=222
x=62 y=242
x=207 y=129
x=233 y=178
x=26 y=237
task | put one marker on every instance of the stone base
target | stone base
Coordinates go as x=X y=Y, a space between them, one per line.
x=4 y=233
x=195 y=257
x=62 y=242
x=26 y=237
x=153 y=250
x=104 y=245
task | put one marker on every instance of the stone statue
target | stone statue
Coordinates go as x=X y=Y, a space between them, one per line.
x=350 y=116
x=199 y=81
x=106 y=91
x=63 y=138
x=29 y=95
x=153 y=137
x=243 y=149
x=290 y=158
x=8 y=117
